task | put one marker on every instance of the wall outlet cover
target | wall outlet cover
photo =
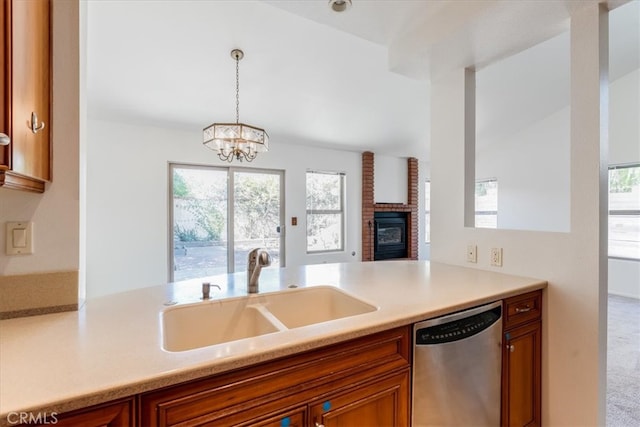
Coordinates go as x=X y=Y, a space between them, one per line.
x=472 y=253
x=496 y=257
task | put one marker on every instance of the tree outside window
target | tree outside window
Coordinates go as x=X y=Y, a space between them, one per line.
x=325 y=211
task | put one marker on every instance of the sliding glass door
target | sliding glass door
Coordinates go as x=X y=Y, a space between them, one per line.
x=199 y=218
x=256 y=214
x=203 y=241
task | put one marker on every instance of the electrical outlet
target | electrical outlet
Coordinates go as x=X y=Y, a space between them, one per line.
x=472 y=253
x=496 y=257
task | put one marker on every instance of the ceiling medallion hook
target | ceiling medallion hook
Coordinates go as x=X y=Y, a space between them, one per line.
x=237 y=54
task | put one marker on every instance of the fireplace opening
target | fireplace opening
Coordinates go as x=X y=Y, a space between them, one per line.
x=390 y=235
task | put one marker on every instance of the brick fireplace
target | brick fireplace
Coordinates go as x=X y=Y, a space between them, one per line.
x=370 y=208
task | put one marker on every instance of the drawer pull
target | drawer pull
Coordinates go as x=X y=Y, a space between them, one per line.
x=523 y=310
x=4 y=139
x=35 y=127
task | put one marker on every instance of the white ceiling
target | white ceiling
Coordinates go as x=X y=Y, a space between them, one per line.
x=310 y=75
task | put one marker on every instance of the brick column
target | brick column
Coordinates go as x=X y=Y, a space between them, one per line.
x=412 y=201
x=367 y=206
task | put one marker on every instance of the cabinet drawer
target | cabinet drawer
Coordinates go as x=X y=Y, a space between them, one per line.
x=522 y=309
x=295 y=417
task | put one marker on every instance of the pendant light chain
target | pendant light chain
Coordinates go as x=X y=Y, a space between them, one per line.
x=237 y=89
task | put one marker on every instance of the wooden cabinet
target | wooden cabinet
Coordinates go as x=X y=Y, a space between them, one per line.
x=355 y=382
x=383 y=402
x=25 y=80
x=521 y=361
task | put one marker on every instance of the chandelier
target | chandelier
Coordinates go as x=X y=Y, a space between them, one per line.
x=236 y=140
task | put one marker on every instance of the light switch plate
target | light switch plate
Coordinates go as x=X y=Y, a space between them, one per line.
x=19 y=238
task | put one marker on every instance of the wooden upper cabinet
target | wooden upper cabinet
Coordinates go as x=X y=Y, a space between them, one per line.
x=25 y=163
x=4 y=85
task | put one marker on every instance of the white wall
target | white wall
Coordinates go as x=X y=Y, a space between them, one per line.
x=390 y=179
x=532 y=169
x=624 y=116
x=55 y=213
x=574 y=263
x=624 y=278
x=127 y=205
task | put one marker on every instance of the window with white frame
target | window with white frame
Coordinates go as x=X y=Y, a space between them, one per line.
x=487 y=203
x=427 y=212
x=624 y=211
x=325 y=211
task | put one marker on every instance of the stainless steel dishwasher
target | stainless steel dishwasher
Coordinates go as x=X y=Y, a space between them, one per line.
x=457 y=361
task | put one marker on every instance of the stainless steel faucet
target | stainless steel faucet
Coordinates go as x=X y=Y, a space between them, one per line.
x=257 y=259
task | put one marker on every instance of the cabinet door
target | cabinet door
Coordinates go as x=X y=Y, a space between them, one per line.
x=521 y=362
x=383 y=403
x=27 y=87
x=5 y=101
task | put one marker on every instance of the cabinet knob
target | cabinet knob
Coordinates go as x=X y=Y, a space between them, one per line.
x=35 y=127
x=511 y=348
x=4 y=139
x=319 y=425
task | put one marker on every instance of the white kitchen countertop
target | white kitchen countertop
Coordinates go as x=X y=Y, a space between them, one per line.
x=112 y=346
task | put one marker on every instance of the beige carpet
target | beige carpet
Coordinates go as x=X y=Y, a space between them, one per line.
x=623 y=362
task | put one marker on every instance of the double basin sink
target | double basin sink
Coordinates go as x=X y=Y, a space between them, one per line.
x=213 y=322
